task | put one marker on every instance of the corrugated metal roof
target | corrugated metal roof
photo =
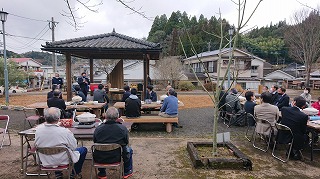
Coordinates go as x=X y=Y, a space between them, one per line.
x=111 y=40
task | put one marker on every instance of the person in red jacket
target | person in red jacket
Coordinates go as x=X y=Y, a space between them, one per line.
x=317 y=105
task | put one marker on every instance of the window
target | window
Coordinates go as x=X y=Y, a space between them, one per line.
x=254 y=69
x=210 y=67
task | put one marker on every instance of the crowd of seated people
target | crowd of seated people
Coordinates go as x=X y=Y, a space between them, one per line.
x=275 y=107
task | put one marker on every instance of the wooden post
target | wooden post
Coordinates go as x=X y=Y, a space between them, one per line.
x=68 y=76
x=146 y=58
x=91 y=74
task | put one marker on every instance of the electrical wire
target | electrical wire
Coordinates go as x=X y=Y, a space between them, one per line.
x=28 y=18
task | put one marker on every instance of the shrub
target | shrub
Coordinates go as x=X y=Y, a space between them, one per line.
x=209 y=86
x=186 y=86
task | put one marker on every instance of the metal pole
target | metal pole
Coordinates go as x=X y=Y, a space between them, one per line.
x=229 y=59
x=6 y=82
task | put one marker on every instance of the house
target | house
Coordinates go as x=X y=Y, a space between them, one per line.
x=27 y=64
x=248 y=68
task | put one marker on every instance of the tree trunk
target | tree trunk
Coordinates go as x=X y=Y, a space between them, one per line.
x=308 y=75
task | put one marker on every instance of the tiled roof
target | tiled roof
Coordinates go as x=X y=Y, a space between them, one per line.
x=111 y=40
x=20 y=60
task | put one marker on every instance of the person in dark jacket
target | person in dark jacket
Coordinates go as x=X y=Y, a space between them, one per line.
x=108 y=132
x=84 y=83
x=296 y=120
x=55 y=101
x=282 y=99
x=78 y=92
x=126 y=93
x=274 y=93
x=133 y=105
x=249 y=104
x=57 y=81
x=50 y=93
x=101 y=96
x=222 y=99
x=151 y=94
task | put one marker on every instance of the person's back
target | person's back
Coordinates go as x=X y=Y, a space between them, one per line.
x=233 y=100
x=133 y=105
x=50 y=134
x=55 y=101
x=297 y=122
x=109 y=132
x=169 y=107
x=100 y=95
x=80 y=93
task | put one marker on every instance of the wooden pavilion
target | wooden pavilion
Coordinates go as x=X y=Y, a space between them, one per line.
x=106 y=46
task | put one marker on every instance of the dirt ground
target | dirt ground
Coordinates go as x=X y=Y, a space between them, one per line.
x=162 y=156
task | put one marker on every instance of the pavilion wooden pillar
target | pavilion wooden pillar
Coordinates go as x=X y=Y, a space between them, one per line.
x=91 y=74
x=68 y=76
x=146 y=58
x=116 y=76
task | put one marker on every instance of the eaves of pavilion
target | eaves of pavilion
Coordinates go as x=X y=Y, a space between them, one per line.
x=106 y=46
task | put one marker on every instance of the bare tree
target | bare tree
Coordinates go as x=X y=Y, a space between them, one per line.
x=74 y=20
x=215 y=95
x=105 y=65
x=169 y=68
x=303 y=39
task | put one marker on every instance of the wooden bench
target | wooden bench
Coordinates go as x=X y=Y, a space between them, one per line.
x=153 y=119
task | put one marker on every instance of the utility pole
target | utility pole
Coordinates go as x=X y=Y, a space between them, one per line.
x=52 y=25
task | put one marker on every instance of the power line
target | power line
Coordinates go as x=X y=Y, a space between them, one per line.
x=28 y=18
x=25 y=37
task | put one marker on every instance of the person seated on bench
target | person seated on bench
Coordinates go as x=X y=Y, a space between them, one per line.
x=151 y=94
x=167 y=89
x=80 y=93
x=110 y=131
x=169 y=107
x=55 y=101
x=50 y=93
x=101 y=96
x=133 y=105
x=126 y=93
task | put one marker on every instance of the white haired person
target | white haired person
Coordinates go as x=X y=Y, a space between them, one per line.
x=50 y=134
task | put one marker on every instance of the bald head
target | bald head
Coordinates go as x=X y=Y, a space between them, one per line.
x=112 y=114
x=52 y=115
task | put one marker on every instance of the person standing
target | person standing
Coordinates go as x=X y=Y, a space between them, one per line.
x=283 y=99
x=50 y=134
x=274 y=93
x=84 y=83
x=108 y=132
x=57 y=81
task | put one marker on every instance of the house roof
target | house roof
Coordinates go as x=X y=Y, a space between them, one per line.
x=105 y=46
x=274 y=73
x=223 y=51
x=315 y=73
x=21 y=60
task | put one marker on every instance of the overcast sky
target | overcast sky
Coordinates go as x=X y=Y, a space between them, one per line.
x=112 y=14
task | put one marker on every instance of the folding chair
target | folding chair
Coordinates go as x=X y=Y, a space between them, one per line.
x=52 y=151
x=31 y=114
x=285 y=129
x=230 y=116
x=266 y=138
x=31 y=151
x=249 y=116
x=107 y=147
x=4 y=131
